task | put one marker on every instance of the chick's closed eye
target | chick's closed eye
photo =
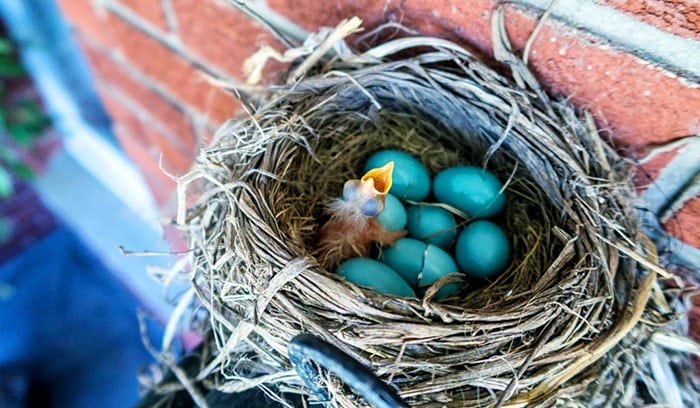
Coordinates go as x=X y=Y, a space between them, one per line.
x=372 y=207
x=350 y=190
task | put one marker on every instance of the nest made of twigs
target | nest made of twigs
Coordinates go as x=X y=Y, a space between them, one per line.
x=541 y=333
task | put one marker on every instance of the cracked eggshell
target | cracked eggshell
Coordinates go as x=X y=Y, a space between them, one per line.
x=374 y=275
x=405 y=256
x=431 y=224
x=421 y=264
x=438 y=264
x=393 y=216
x=410 y=179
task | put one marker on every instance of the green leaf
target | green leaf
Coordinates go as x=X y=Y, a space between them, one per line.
x=22 y=170
x=23 y=135
x=27 y=112
x=25 y=122
x=29 y=107
x=9 y=67
x=6 y=46
x=5 y=183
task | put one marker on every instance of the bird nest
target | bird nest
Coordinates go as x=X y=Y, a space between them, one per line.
x=557 y=327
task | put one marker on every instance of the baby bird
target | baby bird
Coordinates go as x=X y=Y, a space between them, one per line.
x=353 y=226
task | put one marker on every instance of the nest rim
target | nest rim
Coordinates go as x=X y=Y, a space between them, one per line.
x=259 y=309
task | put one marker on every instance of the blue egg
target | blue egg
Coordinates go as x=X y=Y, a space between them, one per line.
x=421 y=264
x=410 y=179
x=473 y=190
x=393 y=217
x=436 y=265
x=482 y=249
x=374 y=275
x=405 y=256
x=431 y=224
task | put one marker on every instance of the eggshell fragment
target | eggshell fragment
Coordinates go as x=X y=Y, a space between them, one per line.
x=438 y=264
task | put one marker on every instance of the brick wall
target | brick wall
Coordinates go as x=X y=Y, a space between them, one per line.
x=633 y=72
x=150 y=58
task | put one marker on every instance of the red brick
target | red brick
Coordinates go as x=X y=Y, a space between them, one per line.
x=121 y=116
x=179 y=76
x=173 y=162
x=219 y=105
x=685 y=224
x=650 y=167
x=159 y=148
x=639 y=104
x=694 y=328
x=220 y=35
x=207 y=135
x=168 y=115
x=88 y=19
x=444 y=19
x=150 y=10
x=176 y=238
x=680 y=17
x=162 y=187
x=312 y=15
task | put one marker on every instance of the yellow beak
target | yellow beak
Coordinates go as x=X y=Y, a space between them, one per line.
x=379 y=179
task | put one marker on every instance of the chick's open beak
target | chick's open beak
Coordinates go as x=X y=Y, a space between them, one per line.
x=378 y=181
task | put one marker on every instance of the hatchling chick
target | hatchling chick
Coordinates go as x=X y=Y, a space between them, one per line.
x=352 y=227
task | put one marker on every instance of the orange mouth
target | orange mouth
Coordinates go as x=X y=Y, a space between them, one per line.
x=381 y=178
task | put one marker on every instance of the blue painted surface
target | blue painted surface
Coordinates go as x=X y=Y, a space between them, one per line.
x=70 y=335
x=104 y=223
x=90 y=185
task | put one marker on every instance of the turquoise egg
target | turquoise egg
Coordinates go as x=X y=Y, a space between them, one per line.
x=431 y=224
x=374 y=275
x=405 y=256
x=437 y=264
x=482 y=249
x=393 y=216
x=410 y=179
x=470 y=189
x=421 y=264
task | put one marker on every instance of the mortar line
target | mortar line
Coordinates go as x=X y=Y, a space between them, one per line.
x=688 y=192
x=137 y=109
x=159 y=89
x=170 y=41
x=661 y=149
x=676 y=54
x=674 y=177
x=170 y=18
